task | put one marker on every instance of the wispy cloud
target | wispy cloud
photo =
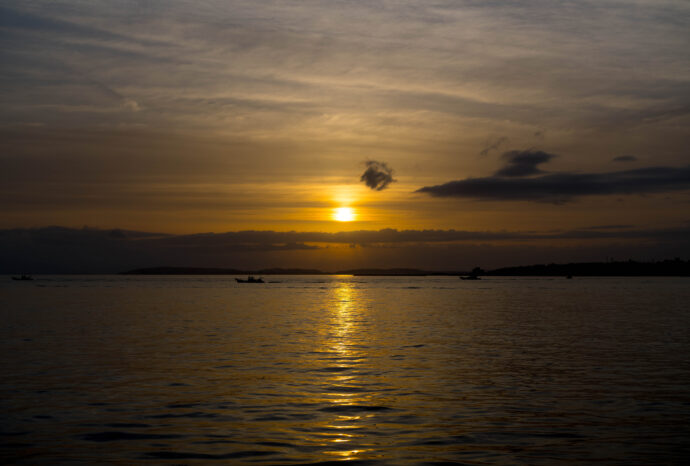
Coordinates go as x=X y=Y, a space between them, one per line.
x=492 y=144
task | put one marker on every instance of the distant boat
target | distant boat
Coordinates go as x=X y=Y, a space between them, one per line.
x=474 y=274
x=23 y=277
x=250 y=279
x=569 y=277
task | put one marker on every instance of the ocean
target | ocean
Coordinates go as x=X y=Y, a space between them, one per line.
x=322 y=369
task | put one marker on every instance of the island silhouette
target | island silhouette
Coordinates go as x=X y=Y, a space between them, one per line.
x=629 y=268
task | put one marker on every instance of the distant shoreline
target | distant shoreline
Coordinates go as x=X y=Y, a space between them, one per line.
x=666 y=268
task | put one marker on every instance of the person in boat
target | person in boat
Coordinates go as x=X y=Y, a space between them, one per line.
x=250 y=279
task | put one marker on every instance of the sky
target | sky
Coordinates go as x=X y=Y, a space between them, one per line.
x=344 y=133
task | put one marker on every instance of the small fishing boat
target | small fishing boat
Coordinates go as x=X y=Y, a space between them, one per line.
x=474 y=274
x=23 y=277
x=250 y=279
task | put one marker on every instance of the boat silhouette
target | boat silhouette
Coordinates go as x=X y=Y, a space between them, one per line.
x=474 y=274
x=23 y=277
x=250 y=279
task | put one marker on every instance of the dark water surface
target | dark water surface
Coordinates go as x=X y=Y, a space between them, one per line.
x=377 y=370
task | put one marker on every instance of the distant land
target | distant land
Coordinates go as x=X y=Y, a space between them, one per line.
x=668 y=268
x=277 y=271
x=219 y=271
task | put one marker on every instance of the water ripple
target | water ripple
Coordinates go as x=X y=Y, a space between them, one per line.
x=372 y=371
x=178 y=455
x=119 y=435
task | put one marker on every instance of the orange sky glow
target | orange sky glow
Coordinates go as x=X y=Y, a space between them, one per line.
x=233 y=116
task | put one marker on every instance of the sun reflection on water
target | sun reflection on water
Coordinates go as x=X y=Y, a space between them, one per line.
x=341 y=338
x=344 y=343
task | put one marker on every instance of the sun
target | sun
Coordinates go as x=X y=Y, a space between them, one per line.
x=344 y=214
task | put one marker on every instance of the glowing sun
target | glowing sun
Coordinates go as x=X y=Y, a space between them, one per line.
x=344 y=214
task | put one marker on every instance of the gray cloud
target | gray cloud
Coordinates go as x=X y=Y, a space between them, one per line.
x=625 y=158
x=67 y=250
x=562 y=187
x=378 y=175
x=523 y=163
x=492 y=144
x=15 y=19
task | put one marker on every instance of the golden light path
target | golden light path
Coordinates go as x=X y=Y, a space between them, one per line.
x=345 y=315
x=344 y=214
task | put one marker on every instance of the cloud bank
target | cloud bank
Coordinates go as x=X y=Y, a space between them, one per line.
x=89 y=250
x=521 y=179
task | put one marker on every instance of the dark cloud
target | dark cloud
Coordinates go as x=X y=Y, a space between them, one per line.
x=625 y=158
x=561 y=187
x=523 y=163
x=378 y=175
x=492 y=144
x=67 y=250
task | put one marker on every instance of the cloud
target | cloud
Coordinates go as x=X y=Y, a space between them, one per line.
x=625 y=158
x=14 y=19
x=523 y=163
x=378 y=175
x=562 y=187
x=131 y=104
x=492 y=144
x=68 y=250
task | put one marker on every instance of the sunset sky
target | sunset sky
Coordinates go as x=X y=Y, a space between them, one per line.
x=518 y=132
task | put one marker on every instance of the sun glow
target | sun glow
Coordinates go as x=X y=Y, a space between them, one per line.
x=344 y=214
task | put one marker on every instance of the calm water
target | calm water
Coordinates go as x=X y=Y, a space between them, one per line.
x=423 y=370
